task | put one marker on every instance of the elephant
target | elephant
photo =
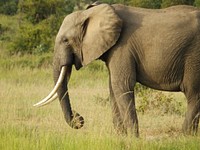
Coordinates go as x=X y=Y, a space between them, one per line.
x=157 y=48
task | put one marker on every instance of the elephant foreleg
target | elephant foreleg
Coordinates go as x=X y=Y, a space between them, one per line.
x=122 y=71
x=123 y=105
x=126 y=104
x=117 y=120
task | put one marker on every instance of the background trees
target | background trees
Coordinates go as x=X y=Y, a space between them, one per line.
x=167 y=3
x=8 y=7
x=30 y=26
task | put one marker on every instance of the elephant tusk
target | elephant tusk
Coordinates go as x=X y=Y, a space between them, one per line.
x=52 y=96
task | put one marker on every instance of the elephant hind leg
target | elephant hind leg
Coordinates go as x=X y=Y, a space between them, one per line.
x=191 y=88
x=191 y=123
x=196 y=123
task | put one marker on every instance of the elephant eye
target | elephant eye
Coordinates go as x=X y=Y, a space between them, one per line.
x=65 y=40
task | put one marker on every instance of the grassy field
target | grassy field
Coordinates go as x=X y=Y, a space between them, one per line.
x=24 y=127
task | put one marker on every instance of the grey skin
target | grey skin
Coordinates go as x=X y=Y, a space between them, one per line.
x=157 y=48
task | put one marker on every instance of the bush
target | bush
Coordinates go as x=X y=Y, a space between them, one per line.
x=32 y=39
x=167 y=3
x=158 y=102
x=8 y=7
x=38 y=25
x=197 y=3
x=97 y=66
x=36 y=39
x=155 y=4
x=2 y=30
x=38 y=10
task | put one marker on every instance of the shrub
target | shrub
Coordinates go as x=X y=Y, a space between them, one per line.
x=32 y=39
x=38 y=10
x=167 y=3
x=39 y=23
x=97 y=66
x=8 y=7
x=2 y=30
x=155 y=4
x=159 y=102
x=197 y=3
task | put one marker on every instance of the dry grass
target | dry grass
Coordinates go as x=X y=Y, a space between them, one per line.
x=25 y=127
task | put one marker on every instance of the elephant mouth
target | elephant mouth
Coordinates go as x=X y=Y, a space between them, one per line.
x=53 y=94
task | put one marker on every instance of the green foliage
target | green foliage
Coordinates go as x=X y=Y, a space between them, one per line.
x=32 y=39
x=8 y=31
x=155 y=4
x=197 y=3
x=38 y=23
x=167 y=3
x=97 y=66
x=116 y=1
x=159 y=102
x=3 y=29
x=8 y=7
x=38 y=10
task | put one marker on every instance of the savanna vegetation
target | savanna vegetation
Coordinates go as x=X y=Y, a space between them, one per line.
x=27 y=32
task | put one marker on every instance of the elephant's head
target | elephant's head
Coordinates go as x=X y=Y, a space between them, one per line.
x=83 y=37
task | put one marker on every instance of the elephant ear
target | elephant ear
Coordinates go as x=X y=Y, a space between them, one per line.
x=102 y=30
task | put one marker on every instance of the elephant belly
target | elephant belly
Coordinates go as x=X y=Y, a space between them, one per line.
x=160 y=79
x=167 y=86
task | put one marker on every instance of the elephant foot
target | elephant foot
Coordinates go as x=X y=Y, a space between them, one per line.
x=190 y=129
x=120 y=130
x=124 y=131
x=77 y=121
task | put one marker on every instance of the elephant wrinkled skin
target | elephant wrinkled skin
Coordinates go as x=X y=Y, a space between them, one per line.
x=158 y=48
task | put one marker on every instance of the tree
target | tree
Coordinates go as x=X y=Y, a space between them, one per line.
x=38 y=25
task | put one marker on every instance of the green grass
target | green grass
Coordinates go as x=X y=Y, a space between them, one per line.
x=23 y=137
x=24 y=127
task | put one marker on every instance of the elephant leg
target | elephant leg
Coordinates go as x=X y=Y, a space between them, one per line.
x=117 y=121
x=122 y=73
x=191 y=88
x=124 y=104
x=190 y=125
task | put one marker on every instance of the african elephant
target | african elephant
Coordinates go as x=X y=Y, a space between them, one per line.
x=157 y=48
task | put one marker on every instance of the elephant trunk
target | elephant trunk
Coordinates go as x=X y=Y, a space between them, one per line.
x=60 y=90
x=72 y=118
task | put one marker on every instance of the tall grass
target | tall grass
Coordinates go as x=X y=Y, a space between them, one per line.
x=24 y=127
